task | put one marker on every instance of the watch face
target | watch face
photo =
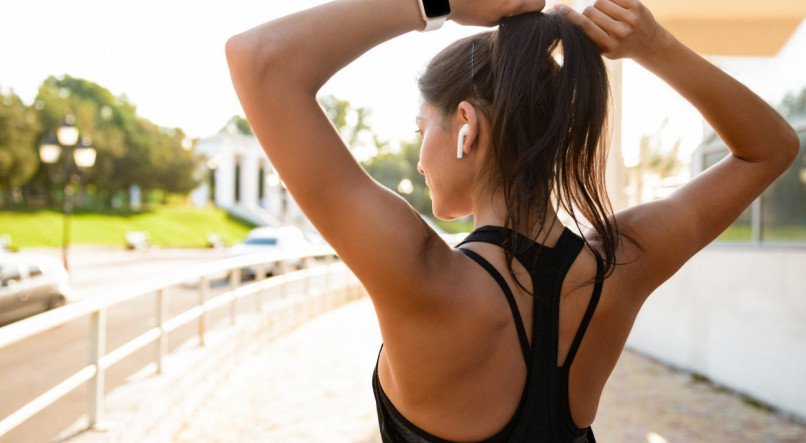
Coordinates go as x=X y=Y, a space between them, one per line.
x=436 y=8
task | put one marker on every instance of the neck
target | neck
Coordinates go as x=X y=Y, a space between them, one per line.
x=491 y=210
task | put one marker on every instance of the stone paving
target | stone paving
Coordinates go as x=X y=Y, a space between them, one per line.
x=313 y=385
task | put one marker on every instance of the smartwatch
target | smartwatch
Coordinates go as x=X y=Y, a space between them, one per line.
x=434 y=12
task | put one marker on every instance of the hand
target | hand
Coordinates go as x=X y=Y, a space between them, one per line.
x=489 y=12
x=620 y=28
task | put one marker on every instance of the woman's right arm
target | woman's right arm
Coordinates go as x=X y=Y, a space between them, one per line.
x=762 y=143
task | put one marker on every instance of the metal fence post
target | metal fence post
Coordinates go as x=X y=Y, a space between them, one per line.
x=346 y=291
x=330 y=287
x=204 y=294
x=161 y=347
x=97 y=350
x=234 y=282
x=260 y=275
x=282 y=269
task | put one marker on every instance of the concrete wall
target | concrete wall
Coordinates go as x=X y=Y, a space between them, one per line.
x=736 y=314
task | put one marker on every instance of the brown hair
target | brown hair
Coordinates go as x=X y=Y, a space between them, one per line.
x=547 y=118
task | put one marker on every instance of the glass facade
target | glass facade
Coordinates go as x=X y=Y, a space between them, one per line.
x=783 y=204
x=779 y=215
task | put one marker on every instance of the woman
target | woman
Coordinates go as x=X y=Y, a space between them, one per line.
x=509 y=118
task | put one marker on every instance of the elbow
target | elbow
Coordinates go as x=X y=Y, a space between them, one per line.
x=238 y=49
x=790 y=147
x=244 y=52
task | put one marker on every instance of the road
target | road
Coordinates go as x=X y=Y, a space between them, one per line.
x=32 y=366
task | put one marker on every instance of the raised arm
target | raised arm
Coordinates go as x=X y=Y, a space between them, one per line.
x=762 y=143
x=277 y=69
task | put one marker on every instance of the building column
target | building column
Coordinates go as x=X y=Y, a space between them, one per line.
x=616 y=176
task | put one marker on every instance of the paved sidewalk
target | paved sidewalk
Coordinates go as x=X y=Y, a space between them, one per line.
x=313 y=385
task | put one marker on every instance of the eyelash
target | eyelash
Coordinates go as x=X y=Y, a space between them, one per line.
x=419 y=131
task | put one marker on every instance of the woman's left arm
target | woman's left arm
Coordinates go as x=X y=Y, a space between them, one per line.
x=277 y=69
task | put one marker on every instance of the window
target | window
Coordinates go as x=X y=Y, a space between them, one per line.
x=779 y=215
x=212 y=185
x=783 y=204
x=261 y=241
x=261 y=183
x=238 y=181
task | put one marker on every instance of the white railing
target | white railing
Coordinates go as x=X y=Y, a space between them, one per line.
x=96 y=309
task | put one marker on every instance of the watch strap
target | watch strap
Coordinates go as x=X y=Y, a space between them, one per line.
x=434 y=23
x=431 y=23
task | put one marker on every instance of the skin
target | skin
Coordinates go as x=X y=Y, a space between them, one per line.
x=453 y=182
x=451 y=361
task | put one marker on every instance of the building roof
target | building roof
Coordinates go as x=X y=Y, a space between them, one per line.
x=730 y=27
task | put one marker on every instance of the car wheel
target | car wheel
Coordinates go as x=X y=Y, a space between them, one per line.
x=57 y=301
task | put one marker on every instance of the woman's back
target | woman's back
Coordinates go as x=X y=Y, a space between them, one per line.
x=469 y=376
x=506 y=126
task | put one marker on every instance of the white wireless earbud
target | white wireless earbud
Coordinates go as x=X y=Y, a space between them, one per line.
x=462 y=135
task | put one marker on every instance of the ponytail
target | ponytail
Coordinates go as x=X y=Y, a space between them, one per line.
x=542 y=84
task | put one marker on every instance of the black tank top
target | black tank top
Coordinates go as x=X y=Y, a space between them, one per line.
x=543 y=413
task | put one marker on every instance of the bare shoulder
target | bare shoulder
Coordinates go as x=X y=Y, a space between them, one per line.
x=646 y=254
x=456 y=304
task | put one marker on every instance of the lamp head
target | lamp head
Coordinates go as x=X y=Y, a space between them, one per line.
x=68 y=133
x=49 y=150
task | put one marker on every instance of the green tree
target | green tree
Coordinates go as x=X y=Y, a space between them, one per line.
x=391 y=168
x=338 y=111
x=239 y=124
x=387 y=167
x=19 y=128
x=175 y=163
x=108 y=120
x=131 y=150
x=793 y=104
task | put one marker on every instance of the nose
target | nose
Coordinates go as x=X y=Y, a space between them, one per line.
x=420 y=168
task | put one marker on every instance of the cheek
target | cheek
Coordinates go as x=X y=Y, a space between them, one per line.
x=429 y=163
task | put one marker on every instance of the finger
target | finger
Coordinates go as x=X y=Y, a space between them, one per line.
x=627 y=4
x=615 y=11
x=600 y=37
x=607 y=23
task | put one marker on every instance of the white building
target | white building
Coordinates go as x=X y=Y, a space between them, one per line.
x=241 y=180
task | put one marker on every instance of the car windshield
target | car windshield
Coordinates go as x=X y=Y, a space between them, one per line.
x=261 y=241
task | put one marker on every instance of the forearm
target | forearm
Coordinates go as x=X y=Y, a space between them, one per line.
x=310 y=46
x=750 y=128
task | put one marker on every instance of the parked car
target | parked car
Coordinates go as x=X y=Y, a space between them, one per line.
x=271 y=239
x=30 y=284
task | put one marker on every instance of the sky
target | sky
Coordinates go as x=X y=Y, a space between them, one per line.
x=168 y=58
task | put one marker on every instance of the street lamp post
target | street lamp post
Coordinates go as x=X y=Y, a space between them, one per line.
x=77 y=156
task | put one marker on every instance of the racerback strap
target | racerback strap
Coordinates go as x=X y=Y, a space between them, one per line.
x=527 y=351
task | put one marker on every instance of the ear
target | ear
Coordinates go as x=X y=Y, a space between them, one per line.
x=466 y=114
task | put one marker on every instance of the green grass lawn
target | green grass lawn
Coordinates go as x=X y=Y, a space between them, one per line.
x=168 y=226
x=742 y=233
